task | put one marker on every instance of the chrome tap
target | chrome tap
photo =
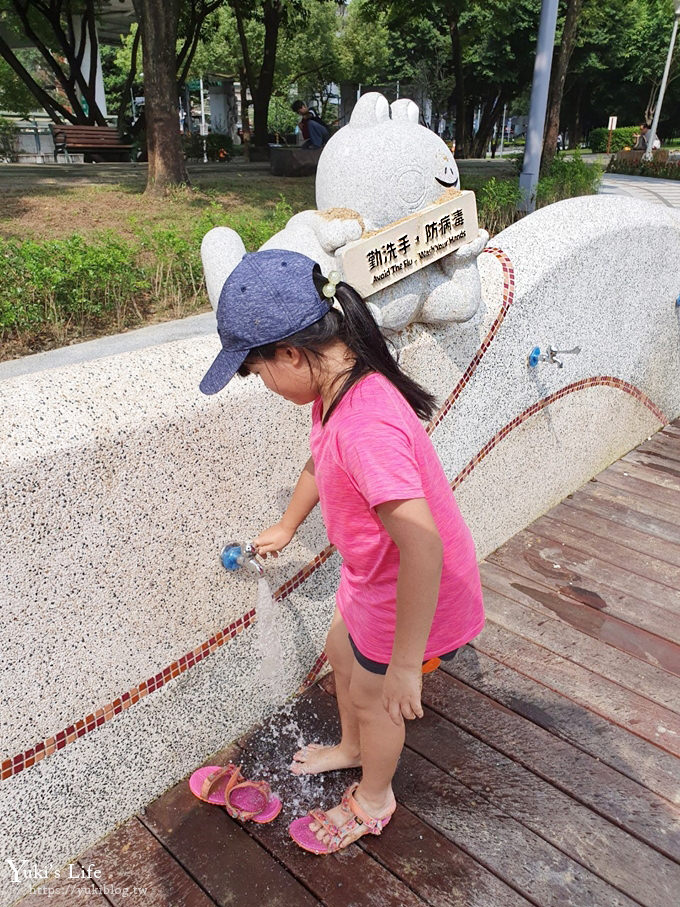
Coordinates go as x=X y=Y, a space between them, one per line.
x=234 y=556
x=536 y=356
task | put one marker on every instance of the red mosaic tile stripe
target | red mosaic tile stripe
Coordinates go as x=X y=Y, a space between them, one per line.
x=596 y=381
x=508 y=298
x=315 y=672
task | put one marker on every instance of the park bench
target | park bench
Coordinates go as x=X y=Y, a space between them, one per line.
x=98 y=143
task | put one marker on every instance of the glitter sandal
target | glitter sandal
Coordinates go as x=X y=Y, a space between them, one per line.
x=301 y=832
x=243 y=800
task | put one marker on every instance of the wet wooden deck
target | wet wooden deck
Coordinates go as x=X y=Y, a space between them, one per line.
x=545 y=771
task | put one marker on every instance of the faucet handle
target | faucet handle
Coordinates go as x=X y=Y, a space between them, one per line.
x=553 y=352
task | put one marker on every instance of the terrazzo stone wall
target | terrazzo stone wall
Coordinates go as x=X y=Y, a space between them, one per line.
x=129 y=653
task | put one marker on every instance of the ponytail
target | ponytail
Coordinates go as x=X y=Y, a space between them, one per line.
x=350 y=321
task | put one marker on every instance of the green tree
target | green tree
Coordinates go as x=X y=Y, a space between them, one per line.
x=14 y=95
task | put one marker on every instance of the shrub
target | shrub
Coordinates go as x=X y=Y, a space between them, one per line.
x=567 y=178
x=68 y=284
x=498 y=204
x=663 y=169
x=622 y=137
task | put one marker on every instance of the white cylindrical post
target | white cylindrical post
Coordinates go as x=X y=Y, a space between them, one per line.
x=203 y=126
x=651 y=135
x=539 y=102
x=505 y=108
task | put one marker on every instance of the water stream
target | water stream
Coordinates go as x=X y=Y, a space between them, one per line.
x=268 y=641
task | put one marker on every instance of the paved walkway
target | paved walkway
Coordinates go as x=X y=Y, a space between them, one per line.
x=545 y=771
x=660 y=192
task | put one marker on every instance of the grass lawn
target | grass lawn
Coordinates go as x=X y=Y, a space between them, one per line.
x=87 y=253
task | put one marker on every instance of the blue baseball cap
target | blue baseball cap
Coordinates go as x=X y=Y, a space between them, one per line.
x=269 y=296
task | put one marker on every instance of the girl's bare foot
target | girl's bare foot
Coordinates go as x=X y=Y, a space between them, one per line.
x=315 y=758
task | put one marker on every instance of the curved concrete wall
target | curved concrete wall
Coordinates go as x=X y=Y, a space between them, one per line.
x=130 y=653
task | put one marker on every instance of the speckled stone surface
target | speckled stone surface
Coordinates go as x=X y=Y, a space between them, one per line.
x=120 y=483
x=547 y=457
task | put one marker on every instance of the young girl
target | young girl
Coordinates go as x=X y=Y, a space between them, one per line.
x=409 y=591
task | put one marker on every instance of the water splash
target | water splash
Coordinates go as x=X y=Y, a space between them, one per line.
x=268 y=642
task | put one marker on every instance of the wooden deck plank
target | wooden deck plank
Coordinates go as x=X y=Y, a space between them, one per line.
x=532 y=866
x=135 y=869
x=623 y=510
x=587 y=620
x=633 y=757
x=590 y=840
x=584 y=777
x=385 y=866
x=651 y=722
x=220 y=854
x=651 y=577
x=635 y=480
x=509 y=607
x=662 y=479
x=584 y=578
x=438 y=871
x=662 y=446
x=657 y=551
x=665 y=467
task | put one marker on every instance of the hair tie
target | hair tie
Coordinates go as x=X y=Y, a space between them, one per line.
x=329 y=288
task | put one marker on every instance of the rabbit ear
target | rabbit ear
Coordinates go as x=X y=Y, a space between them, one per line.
x=221 y=250
x=371 y=108
x=404 y=109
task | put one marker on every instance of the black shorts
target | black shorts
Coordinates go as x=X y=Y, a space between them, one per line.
x=377 y=667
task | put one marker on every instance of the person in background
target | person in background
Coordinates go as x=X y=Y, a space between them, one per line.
x=642 y=138
x=314 y=131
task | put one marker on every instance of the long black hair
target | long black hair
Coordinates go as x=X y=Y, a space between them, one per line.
x=357 y=329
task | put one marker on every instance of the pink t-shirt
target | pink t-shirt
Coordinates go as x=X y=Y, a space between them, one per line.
x=375 y=449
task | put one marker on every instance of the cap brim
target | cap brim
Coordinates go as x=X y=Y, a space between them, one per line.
x=222 y=370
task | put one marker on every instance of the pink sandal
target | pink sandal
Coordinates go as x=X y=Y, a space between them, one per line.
x=226 y=786
x=302 y=834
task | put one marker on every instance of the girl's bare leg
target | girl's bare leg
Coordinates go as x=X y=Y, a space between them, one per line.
x=315 y=758
x=381 y=744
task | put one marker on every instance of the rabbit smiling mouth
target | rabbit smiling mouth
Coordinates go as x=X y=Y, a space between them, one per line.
x=445 y=184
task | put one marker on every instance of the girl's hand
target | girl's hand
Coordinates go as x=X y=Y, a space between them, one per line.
x=273 y=540
x=401 y=693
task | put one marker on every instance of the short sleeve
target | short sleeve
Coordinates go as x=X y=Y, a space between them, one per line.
x=379 y=458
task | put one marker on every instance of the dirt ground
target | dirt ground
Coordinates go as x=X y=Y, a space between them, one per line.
x=50 y=201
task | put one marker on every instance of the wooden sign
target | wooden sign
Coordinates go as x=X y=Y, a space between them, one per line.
x=384 y=257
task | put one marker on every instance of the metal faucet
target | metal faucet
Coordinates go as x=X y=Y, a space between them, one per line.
x=536 y=356
x=234 y=556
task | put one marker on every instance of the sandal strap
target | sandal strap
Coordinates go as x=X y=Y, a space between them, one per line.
x=336 y=835
x=215 y=777
x=235 y=784
x=361 y=817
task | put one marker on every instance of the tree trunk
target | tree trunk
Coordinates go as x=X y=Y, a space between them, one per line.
x=459 y=91
x=273 y=12
x=490 y=113
x=158 y=24
x=559 y=74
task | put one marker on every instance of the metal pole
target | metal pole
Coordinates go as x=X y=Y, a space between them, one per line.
x=539 y=102
x=651 y=135
x=203 y=130
x=505 y=107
